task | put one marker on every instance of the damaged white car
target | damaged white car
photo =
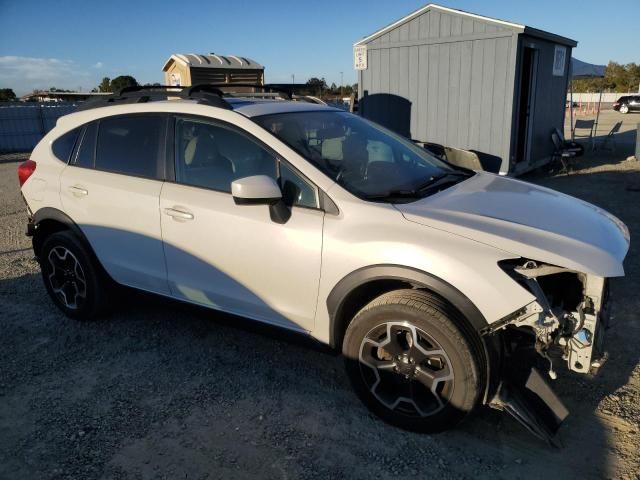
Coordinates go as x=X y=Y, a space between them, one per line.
x=442 y=287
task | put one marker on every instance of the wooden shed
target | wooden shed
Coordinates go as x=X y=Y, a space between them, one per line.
x=463 y=80
x=192 y=69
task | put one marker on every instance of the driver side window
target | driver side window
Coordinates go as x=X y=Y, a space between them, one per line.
x=211 y=154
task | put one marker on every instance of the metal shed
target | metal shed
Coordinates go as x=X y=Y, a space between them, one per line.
x=467 y=81
x=192 y=69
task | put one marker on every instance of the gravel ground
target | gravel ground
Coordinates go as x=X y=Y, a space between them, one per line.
x=163 y=390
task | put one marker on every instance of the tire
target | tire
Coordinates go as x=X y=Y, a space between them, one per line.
x=387 y=365
x=72 y=277
x=624 y=109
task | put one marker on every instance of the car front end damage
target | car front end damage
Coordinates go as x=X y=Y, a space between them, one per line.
x=565 y=324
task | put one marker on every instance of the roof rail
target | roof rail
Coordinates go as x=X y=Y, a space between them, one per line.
x=264 y=88
x=204 y=94
x=138 y=88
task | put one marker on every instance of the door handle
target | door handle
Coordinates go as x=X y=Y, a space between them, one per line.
x=78 y=191
x=178 y=213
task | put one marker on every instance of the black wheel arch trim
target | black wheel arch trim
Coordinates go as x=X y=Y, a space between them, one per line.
x=489 y=350
x=359 y=277
x=51 y=213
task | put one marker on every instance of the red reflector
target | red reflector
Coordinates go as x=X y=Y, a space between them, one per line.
x=25 y=170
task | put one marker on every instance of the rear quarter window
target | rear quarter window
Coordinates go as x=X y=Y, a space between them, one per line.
x=63 y=145
x=85 y=156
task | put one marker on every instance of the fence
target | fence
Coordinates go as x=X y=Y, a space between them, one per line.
x=22 y=125
x=593 y=97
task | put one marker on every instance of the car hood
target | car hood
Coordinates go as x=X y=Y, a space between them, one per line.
x=529 y=221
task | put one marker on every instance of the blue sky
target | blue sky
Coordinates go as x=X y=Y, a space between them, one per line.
x=72 y=44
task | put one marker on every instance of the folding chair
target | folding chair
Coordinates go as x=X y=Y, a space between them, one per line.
x=569 y=145
x=584 y=126
x=610 y=139
x=563 y=153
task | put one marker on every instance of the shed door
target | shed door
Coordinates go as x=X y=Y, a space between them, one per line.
x=525 y=104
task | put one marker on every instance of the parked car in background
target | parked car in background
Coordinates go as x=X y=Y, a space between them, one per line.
x=627 y=103
x=441 y=286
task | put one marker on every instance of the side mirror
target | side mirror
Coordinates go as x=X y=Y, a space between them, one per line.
x=256 y=190
x=261 y=190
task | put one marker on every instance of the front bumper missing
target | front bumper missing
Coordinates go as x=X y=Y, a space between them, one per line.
x=578 y=333
x=532 y=403
x=585 y=350
x=575 y=334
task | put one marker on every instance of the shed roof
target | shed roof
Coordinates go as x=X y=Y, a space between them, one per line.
x=516 y=27
x=212 y=60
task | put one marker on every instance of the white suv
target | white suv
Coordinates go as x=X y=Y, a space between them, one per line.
x=433 y=281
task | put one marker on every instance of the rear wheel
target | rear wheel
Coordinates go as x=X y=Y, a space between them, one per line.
x=409 y=362
x=72 y=278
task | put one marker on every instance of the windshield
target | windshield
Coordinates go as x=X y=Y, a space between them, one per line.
x=366 y=159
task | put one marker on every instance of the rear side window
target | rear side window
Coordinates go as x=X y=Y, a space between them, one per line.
x=63 y=145
x=131 y=145
x=85 y=156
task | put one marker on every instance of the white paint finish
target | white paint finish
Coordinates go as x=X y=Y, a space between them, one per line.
x=372 y=234
x=119 y=216
x=42 y=189
x=235 y=258
x=255 y=187
x=529 y=221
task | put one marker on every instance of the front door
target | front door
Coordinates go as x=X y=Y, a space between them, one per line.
x=234 y=257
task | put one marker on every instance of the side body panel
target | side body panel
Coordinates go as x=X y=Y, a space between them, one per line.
x=235 y=258
x=42 y=189
x=355 y=239
x=119 y=215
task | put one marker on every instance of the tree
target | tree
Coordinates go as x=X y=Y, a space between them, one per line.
x=317 y=85
x=7 y=95
x=121 y=82
x=117 y=84
x=618 y=78
x=105 y=85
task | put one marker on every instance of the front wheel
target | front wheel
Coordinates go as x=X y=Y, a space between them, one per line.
x=409 y=362
x=624 y=109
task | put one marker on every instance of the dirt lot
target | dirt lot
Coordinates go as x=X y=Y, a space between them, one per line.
x=161 y=390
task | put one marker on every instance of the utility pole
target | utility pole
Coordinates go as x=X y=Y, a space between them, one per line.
x=293 y=81
x=341 y=83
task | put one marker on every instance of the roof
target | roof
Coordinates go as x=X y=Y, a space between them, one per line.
x=257 y=107
x=212 y=60
x=516 y=27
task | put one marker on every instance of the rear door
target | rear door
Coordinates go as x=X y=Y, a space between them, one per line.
x=111 y=189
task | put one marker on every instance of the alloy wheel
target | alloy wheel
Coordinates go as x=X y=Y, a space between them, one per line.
x=66 y=278
x=406 y=369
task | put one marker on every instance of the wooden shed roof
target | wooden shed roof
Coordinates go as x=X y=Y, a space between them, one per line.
x=213 y=60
